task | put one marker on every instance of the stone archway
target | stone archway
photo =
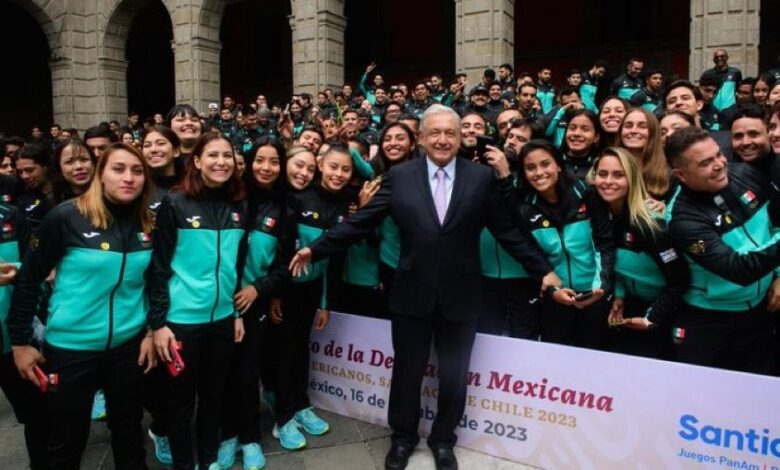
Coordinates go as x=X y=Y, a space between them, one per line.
x=26 y=82
x=257 y=50
x=113 y=32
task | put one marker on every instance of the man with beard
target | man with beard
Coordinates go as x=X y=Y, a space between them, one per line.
x=625 y=85
x=472 y=125
x=727 y=77
x=478 y=103
x=720 y=221
x=545 y=92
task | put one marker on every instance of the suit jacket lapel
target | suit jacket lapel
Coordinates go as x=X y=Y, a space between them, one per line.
x=457 y=190
x=425 y=188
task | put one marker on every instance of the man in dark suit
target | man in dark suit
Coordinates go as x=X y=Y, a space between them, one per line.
x=440 y=204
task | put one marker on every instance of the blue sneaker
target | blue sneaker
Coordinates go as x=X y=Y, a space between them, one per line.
x=215 y=466
x=227 y=452
x=99 y=407
x=162 y=448
x=253 y=456
x=310 y=422
x=290 y=437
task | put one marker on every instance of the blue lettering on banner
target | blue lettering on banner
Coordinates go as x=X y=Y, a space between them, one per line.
x=750 y=440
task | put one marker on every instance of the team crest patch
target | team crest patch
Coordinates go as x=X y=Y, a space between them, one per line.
x=669 y=255
x=236 y=217
x=105 y=246
x=629 y=239
x=7 y=198
x=696 y=248
x=194 y=221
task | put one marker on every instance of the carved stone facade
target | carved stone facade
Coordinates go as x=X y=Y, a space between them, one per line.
x=87 y=40
x=729 y=24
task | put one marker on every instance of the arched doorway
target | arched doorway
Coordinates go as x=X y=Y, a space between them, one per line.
x=256 y=53
x=25 y=81
x=612 y=30
x=408 y=39
x=150 y=74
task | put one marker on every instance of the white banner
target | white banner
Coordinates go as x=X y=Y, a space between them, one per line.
x=558 y=407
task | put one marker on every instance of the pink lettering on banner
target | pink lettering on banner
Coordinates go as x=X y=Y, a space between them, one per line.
x=558 y=407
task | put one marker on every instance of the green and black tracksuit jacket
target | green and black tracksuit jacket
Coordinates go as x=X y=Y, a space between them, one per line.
x=589 y=87
x=317 y=211
x=624 y=86
x=545 y=93
x=270 y=242
x=729 y=79
x=575 y=234
x=648 y=268
x=196 y=264
x=11 y=231
x=729 y=241
x=98 y=298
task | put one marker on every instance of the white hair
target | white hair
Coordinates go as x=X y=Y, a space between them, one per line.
x=435 y=109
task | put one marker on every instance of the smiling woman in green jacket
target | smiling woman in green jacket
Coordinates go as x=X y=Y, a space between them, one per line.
x=99 y=245
x=195 y=268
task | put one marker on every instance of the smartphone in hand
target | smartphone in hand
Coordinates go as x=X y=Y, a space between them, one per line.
x=176 y=366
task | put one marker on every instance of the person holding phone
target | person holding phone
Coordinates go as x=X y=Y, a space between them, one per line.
x=191 y=296
x=650 y=276
x=100 y=246
x=572 y=227
x=161 y=148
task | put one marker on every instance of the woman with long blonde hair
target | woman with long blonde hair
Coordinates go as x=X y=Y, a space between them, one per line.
x=650 y=277
x=100 y=246
x=640 y=134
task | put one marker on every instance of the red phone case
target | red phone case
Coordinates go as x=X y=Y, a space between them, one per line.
x=43 y=381
x=176 y=366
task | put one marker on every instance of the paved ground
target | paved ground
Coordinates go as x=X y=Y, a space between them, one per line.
x=350 y=445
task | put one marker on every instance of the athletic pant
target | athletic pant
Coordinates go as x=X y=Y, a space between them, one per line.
x=207 y=351
x=584 y=328
x=29 y=406
x=730 y=340
x=241 y=400
x=157 y=399
x=359 y=300
x=81 y=374
x=510 y=306
x=292 y=355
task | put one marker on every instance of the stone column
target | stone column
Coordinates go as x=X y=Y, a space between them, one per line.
x=318 y=44
x=730 y=24
x=111 y=89
x=484 y=36
x=197 y=72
